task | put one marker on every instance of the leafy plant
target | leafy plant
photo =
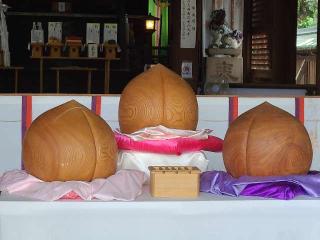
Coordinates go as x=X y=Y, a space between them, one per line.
x=307 y=13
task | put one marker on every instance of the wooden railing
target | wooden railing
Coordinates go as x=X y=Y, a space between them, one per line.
x=306 y=69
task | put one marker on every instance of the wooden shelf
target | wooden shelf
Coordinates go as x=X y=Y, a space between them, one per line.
x=224 y=51
x=11 y=68
x=73 y=68
x=76 y=15
x=42 y=13
x=16 y=70
x=73 y=58
x=271 y=85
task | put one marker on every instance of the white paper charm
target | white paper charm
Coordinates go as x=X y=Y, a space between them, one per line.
x=37 y=33
x=92 y=50
x=188 y=24
x=186 y=70
x=110 y=32
x=55 y=30
x=93 y=33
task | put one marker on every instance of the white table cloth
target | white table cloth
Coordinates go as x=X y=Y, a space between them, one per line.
x=207 y=217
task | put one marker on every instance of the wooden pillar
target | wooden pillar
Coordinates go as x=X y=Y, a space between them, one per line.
x=58 y=80
x=41 y=75
x=232 y=14
x=106 y=76
x=179 y=55
x=89 y=81
x=123 y=33
x=148 y=47
x=16 y=73
x=318 y=55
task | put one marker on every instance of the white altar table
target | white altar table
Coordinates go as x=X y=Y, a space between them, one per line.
x=207 y=217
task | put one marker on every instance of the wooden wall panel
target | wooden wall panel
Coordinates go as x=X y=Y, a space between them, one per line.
x=177 y=54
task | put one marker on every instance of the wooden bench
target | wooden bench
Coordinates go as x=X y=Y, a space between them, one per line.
x=74 y=68
x=16 y=75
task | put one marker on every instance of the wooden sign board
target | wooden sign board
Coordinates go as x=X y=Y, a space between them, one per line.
x=226 y=68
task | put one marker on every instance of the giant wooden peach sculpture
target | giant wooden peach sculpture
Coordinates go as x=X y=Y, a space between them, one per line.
x=158 y=97
x=69 y=142
x=266 y=141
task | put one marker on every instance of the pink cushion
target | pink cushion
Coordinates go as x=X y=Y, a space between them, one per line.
x=125 y=185
x=170 y=146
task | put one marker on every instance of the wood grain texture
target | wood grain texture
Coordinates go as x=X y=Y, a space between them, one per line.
x=174 y=181
x=69 y=142
x=267 y=141
x=158 y=97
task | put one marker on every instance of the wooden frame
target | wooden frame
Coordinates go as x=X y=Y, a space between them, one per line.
x=246 y=44
x=1 y=58
x=282 y=30
x=16 y=75
x=59 y=70
x=106 y=69
x=318 y=54
x=179 y=55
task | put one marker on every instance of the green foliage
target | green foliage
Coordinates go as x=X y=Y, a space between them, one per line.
x=307 y=13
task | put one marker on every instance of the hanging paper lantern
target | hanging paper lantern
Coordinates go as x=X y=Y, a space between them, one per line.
x=69 y=142
x=267 y=141
x=158 y=97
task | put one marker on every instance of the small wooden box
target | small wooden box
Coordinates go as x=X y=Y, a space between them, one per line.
x=1 y=58
x=74 y=50
x=174 y=181
x=36 y=50
x=110 y=51
x=55 y=49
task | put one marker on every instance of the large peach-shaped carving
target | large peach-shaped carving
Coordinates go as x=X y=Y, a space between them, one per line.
x=69 y=142
x=158 y=97
x=267 y=141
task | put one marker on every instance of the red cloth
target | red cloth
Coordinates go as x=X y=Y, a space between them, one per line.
x=170 y=146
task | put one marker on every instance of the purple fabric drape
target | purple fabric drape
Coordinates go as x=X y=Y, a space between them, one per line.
x=279 y=187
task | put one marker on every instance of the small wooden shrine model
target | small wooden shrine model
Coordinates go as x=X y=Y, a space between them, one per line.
x=74 y=45
x=37 y=50
x=55 y=46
